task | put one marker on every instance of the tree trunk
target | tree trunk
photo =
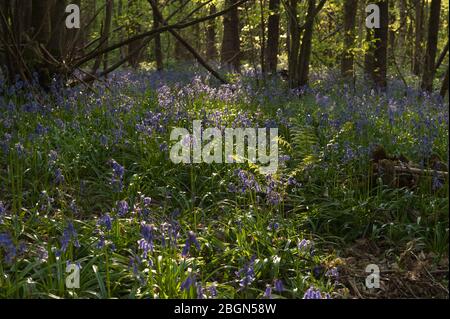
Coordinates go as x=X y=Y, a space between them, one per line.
x=262 y=42
x=157 y=43
x=391 y=32
x=273 y=35
x=350 y=7
x=430 y=56
x=380 y=48
x=41 y=29
x=294 y=43
x=230 y=51
x=305 y=49
x=211 y=51
x=56 y=45
x=403 y=30
x=418 y=37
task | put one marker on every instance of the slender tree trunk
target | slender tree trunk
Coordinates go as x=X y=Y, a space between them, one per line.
x=294 y=43
x=305 y=49
x=230 y=53
x=262 y=42
x=41 y=29
x=104 y=36
x=108 y=21
x=157 y=43
x=350 y=7
x=211 y=51
x=418 y=36
x=273 y=35
x=430 y=56
x=402 y=30
x=380 y=48
x=391 y=32
x=57 y=38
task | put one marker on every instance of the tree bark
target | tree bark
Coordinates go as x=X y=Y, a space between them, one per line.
x=157 y=43
x=380 y=47
x=273 y=35
x=211 y=51
x=230 y=54
x=305 y=49
x=418 y=36
x=430 y=55
x=294 y=43
x=350 y=8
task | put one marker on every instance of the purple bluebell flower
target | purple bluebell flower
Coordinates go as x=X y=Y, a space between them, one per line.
x=122 y=208
x=268 y=292
x=212 y=290
x=333 y=272
x=278 y=285
x=105 y=221
x=117 y=176
x=188 y=283
x=20 y=150
x=69 y=235
x=8 y=246
x=58 y=177
x=146 y=242
x=192 y=239
x=313 y=293
x=246 y=273
x=303 y=244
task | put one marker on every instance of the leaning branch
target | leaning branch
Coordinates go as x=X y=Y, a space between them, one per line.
x=186 y=45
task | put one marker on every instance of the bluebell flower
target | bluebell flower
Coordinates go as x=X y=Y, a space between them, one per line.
x=105 y=221
x=188 y=283
x=58 y=177
x=333 y=272
x=246 y=274
x=192 y=239
x=313 y=293
x=8 y=246
x=146 y=242
x=122 y=208
x=118 y=175
x=268 y=292
x=69 y=235
x=278 y=285
x=213 y=290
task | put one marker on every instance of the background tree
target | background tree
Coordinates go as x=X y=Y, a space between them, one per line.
x=350 y=8
x=230 y=53
x=273 y=34
x=432 y=39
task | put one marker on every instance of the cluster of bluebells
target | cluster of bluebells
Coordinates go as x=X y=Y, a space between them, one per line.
x=69 y=235
x=247 y=181
x=246 y=274
x=306 y=245
x=58 y=177
x=8 y=246
x=314 y=293
x=146 y=242
x=191 y=240
x=117 y=175
x=104 y=226
x=277 y=286
x=122 y=208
